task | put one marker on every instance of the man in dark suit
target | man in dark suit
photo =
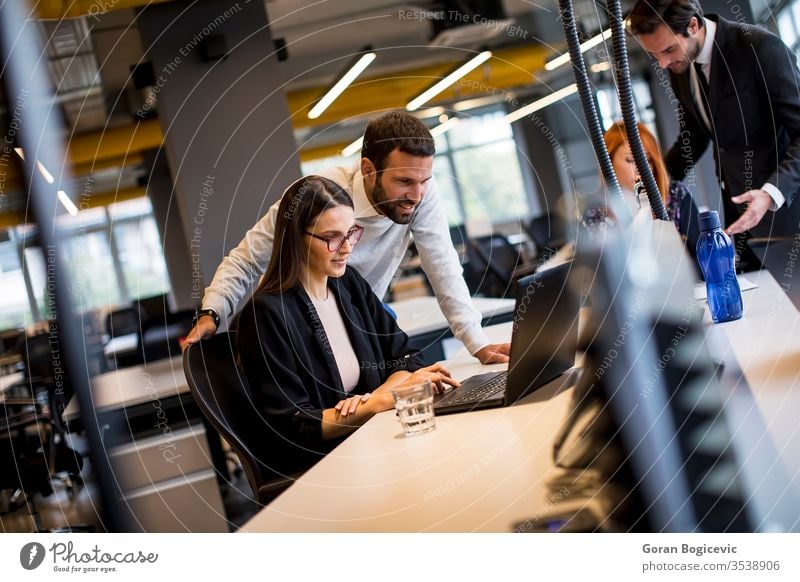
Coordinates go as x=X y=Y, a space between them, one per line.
x=738 y=88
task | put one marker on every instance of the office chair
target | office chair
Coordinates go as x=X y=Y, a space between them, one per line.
x=548 y=233
x=51 y=390
x=497 y=264
x=121 y=322
x=222 y=393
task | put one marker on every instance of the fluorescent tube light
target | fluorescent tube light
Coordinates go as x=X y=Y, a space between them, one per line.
x=429 y=94
x=542 y=103
x=353 y=147
x=341 y=85
x=585 y=46
x=67 y=203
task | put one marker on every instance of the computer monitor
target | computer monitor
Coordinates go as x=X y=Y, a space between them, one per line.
x=649 y=444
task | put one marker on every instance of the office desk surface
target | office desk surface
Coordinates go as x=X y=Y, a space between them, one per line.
x=422 y=314
x=761 y=379
x=135 y=385
x=484 y=471
x=479 y=471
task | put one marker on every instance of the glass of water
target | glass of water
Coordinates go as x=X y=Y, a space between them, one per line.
x=414 y=406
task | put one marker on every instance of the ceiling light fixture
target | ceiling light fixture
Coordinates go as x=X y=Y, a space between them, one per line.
x=440 y=86
x=67 y=203
x=352 y=148
x=541 y=103
x=343 y=83
x=585 y=46
x=444 y=125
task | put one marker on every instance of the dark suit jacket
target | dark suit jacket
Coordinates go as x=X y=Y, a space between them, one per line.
x=289 y=364
x=755 y=109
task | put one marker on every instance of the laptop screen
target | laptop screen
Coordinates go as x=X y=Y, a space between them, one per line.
x=545 y=334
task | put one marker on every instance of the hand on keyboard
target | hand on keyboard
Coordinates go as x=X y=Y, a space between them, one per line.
x=438 y=375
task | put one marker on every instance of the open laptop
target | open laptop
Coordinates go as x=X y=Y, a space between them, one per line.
x=543 y=345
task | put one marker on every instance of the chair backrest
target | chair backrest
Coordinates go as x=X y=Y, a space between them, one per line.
x=122 y=321
x=223 y=395
x=155 y=307
x=548 y=232
x=496 y=258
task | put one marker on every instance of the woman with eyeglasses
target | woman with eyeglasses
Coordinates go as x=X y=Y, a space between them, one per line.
x=319 y=350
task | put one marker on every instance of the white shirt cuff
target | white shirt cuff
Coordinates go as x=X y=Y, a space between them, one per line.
x=777 y=198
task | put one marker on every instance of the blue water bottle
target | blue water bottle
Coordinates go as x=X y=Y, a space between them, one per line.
x=715 y=255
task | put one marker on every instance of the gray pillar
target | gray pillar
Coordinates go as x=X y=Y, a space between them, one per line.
x=173 y=238
x=541 y=145
x=227 y=134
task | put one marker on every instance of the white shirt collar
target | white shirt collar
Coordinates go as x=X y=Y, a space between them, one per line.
x=362 y=206
x=704 y=58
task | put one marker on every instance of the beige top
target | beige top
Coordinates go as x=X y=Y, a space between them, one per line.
x=332 y=322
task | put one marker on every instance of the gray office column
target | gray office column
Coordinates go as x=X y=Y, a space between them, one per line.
x=228 y=139
x=173 y=239
x=547 y=159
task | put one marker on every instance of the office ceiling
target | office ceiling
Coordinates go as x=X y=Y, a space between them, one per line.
x=90 y=58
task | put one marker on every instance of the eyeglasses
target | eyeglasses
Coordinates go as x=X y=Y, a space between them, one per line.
x=336 y=241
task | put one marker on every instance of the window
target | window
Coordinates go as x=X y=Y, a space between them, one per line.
x=113 y=256
x=788 y=24
x=15 y=310
x=486 y=175
x=610 y=112
x=139 y=249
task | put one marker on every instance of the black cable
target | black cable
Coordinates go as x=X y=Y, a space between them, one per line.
x=623 y=77
x=587 y=100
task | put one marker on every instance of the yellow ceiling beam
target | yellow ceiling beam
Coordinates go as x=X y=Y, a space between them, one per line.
x=326 y=151
x=118 y=142
x=507 y=69
x=58 y=9
x=134 y=159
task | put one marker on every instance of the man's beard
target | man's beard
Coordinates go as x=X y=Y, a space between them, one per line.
x=389 y=208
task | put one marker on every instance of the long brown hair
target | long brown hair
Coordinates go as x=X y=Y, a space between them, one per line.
x=301 y=204
x=616 y=138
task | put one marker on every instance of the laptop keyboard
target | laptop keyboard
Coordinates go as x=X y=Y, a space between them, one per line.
x=480 y=391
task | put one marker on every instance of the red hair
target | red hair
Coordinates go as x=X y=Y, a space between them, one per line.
x=616 y=137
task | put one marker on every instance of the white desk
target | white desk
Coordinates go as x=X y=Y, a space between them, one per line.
x=427 y=327
x=484 y=471
x=761 y=380
x=124 y=344
x=135 y=385
x=422 y=315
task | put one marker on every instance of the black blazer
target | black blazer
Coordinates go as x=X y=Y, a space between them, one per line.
x=289 y=364
x=755 y=113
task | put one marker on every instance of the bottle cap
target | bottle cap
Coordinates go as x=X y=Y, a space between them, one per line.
x=708 y=220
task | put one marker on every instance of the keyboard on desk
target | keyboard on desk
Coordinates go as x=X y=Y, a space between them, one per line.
x=483 y=391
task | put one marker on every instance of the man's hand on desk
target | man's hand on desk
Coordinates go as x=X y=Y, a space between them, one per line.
x=204 y=329
x=494 y=353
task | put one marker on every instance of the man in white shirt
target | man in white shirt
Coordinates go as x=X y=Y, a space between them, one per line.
x=737 y=85
x=395 y=199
